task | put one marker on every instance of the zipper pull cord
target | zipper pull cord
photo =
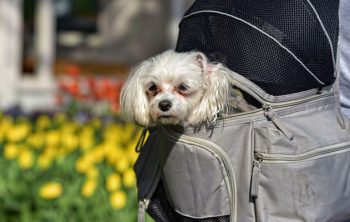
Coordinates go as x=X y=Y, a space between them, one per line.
x=255 y=179
x=141 y=214
x=270 y=114
x=141 y=140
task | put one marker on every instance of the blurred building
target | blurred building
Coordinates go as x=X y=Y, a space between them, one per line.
x=41 y=39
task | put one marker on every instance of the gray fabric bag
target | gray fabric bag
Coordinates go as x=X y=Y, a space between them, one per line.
x=286 y=161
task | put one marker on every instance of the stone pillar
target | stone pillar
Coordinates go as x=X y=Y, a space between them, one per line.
x=10 y=51
x=38 y=92
x=45 y=30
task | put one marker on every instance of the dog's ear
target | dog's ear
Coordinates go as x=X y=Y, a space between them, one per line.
x=133 y=99
x=216 y=94
x=201 y=61
x=205 y=64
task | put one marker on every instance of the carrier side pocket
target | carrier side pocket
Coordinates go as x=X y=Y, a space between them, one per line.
x=199 y=179
x=312 y=186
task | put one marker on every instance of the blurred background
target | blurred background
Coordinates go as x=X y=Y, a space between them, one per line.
x=65 y=153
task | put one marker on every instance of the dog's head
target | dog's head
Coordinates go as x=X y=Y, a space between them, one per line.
x=175 y=88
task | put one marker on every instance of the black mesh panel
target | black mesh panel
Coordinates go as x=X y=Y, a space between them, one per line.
x=161 y=211
x=280 y=44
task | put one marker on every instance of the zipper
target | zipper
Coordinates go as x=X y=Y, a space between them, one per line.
x=270 y=114
x=273 y=106
x=268 y=106
x=221 y=155
x=313 y=154
x=253 y=90
x=261 y=158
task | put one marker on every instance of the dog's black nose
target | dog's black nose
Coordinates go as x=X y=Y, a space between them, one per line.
x=164 y=105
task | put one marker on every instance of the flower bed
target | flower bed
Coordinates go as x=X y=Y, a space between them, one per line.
x=55 y=168
x=96 y=94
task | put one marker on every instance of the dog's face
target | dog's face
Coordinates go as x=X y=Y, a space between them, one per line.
x=174 y=88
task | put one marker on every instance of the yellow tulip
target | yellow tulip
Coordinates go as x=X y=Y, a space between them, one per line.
x=10 y=151
x=51 y=190
x=18 y=133
x=82 y=165
x=113 y=182
x=98 y=154
x=131 y=133
x=44 y=161
x=50 y=151
x=43 y=122
x=122 y=164
x=53 y=138
x=6 y=123
x=129 y=178
x=132 y=155
x=113 y=133
x=86 y=139
x=61 y=153
x=118 y=200
x=70 y=141
x=25 y=159
x=113 y=153
x=89 y=187
x=92 y=172
x=96 y=123
x=87 y=131
x=69 y=127
x=2 y=134
x=86 y=143
x=36 y=140
x=59 y=118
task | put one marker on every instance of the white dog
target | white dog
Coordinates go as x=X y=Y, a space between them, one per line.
x=176 y=88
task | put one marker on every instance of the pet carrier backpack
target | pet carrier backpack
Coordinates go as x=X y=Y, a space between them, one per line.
x=288 y=160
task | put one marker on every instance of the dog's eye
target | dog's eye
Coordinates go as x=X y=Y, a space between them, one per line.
x=183 y=87
x=153 y=88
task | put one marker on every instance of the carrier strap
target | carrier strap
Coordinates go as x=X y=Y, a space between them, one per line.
x=343 y=122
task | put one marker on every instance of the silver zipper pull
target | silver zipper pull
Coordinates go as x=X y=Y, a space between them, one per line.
x=254 y=189
x=143 y=204
x=278 y=123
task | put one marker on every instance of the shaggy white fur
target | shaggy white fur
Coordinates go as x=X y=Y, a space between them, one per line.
x=176 y=88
